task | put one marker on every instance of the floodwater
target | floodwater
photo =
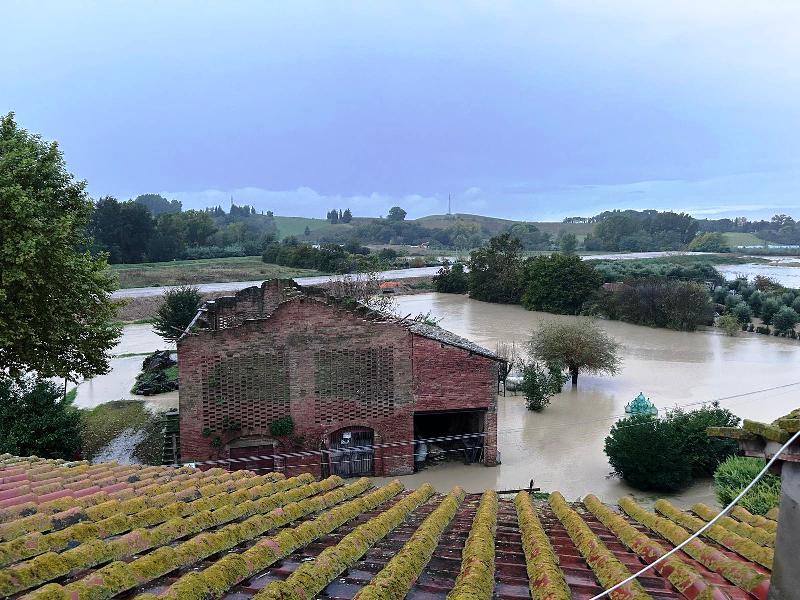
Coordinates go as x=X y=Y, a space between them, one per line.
x=781 y=271
x=561 y=448
x=116 y=385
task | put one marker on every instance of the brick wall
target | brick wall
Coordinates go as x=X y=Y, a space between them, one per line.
x=329 y=369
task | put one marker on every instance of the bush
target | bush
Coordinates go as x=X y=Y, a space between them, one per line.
x=785 y=319
x=451 y=279
x=539 y=384
x=177 y=311
x=742 y=312
x=729 y=324
x=36 y=419
x=762 y=329
x=642 y=449
x=768 y=309
x=735 y=473
x=281 y=427
x=665 y=454
x=558 y=283
x=104 y=423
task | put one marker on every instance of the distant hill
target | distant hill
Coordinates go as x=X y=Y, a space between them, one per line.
x=296 y=226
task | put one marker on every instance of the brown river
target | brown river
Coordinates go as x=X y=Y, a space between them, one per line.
x=561 y=448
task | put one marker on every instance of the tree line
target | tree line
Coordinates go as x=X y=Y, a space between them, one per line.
x=566 y=284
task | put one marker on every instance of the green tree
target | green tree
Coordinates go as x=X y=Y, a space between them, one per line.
x=558 y=283
x=56 y=312
x=347 y=216
x=494 y=270
x=396 y=214
x=540 y=383
x=742 y=312
x=567 y=243
x=176 y=312
x=729 y=324
x=579 y=345
x=158 y=205
x=451 y=279
x=785 y=319
x=37 y=419
x=769 y=307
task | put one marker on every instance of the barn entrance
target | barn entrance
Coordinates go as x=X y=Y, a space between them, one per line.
x=351 y=452
x=449 y=435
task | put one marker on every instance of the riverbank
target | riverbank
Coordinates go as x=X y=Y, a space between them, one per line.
x=212 y=270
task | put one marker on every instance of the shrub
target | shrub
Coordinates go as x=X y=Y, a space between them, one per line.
x=665 y=454
x=785 y=319
x=742 y=312
x=735 y=473
x=37 y=419
x=768 y=309
x=558 y=283
x=762 y=329
x=451 y=279
x=282 y=426
x=729 y=324
x=539 y=384
x=104 y=423
x=177 y=311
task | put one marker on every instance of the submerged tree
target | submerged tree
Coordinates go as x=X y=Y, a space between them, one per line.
x=579 y=345
x=56 y=312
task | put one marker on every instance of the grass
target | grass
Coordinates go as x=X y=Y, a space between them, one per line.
x=296 y=226
x=210 y=270
x=102 y=424
x=734 y=239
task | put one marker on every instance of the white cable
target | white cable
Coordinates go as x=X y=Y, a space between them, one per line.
x=705 y=527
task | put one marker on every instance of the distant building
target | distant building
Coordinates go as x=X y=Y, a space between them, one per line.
x=348 y=377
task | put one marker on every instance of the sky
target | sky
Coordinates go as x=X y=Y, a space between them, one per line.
x=531 y=110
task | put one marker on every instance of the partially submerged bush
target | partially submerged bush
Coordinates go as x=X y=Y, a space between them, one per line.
x=665 y=454
x=735 y=473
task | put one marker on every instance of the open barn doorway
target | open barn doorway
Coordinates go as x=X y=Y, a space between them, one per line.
x=449 y=435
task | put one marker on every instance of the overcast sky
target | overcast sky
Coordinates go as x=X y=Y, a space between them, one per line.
x=534 y=110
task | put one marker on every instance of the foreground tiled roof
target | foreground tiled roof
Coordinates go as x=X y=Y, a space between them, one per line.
x=74 y=530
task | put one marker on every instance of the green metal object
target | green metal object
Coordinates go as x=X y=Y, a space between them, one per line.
x=641 y=405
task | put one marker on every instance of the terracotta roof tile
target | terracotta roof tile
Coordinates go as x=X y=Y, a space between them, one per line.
x=148 y=532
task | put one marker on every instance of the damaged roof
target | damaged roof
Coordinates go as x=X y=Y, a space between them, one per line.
x=291 y=290
x=73 y=530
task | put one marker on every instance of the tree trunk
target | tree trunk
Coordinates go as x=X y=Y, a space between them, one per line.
x=573 y=371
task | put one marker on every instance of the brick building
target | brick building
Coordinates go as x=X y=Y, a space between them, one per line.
x=348 y=376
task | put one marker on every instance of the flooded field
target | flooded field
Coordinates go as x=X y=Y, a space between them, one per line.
x=562 y=447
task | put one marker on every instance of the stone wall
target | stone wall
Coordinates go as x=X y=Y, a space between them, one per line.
x=329 y=369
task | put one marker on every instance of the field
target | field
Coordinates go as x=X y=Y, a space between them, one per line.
x=296 y=226
x=742 y=239
x=212 y=270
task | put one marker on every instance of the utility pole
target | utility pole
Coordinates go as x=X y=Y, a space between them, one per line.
x=449 y=206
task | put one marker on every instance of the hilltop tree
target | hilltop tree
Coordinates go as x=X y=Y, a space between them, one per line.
x=158 y=205
x=347 y=216
x=56 y=312
x=579 y=345
x=396 y=214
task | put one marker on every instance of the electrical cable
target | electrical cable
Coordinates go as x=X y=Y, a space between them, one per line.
x=705 y=527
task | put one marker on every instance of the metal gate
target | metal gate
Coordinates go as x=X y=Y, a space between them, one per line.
x=352 y=453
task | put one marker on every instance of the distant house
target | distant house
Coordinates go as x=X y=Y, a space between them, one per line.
x=389 y=288
x=349 y=377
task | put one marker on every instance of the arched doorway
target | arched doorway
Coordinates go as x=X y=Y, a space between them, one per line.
x=351 y=452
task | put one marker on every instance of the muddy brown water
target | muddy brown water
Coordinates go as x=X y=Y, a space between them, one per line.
x=562 y=447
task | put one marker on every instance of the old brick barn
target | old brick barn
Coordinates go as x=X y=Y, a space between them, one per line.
x=359 y=385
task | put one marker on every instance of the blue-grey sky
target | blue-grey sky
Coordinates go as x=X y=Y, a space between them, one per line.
x=534 y=110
